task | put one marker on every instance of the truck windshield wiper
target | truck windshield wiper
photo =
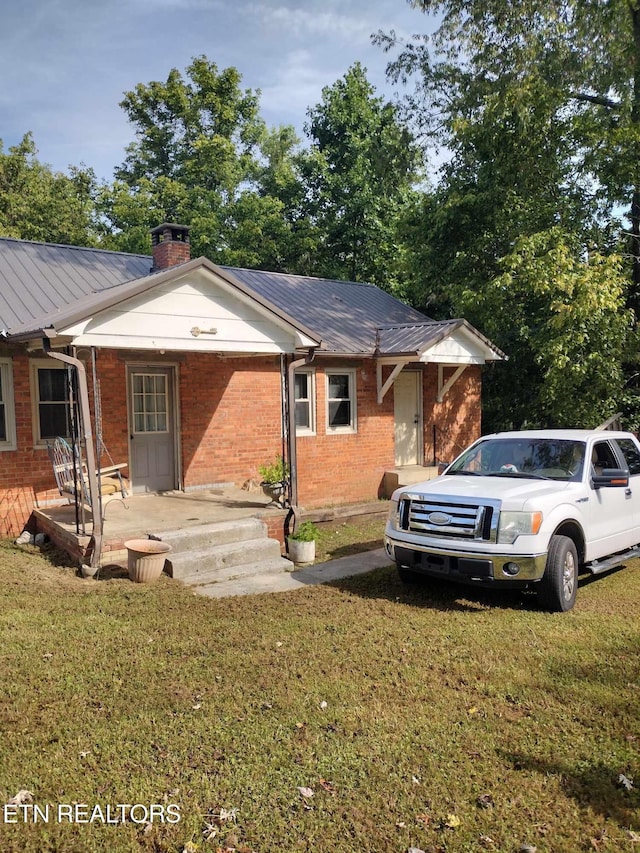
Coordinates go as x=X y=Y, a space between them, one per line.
x=467 y=473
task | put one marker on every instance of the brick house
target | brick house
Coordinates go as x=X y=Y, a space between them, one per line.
x=197 y=374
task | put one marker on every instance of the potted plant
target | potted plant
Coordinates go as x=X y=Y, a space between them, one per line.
x=274 y=478
x=302 y=543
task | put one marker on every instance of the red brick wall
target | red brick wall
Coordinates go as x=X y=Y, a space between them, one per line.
x=231 y=417
x=335 y=468
x=231 y=423
x=457 y=419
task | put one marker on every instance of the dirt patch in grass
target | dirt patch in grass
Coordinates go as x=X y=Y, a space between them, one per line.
x=362 y=716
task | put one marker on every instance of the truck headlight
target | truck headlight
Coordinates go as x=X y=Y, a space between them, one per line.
x=394 y=518
x=514 y=524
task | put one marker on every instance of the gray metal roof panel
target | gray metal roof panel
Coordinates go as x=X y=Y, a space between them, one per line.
x=344 y=314
x=37 y=279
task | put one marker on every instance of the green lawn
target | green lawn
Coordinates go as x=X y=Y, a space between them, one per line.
x=433 y=718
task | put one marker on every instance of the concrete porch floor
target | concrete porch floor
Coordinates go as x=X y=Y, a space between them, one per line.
x=138 y=516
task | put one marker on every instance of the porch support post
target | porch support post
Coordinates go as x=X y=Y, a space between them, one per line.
x=291 y=395
x=83 y=392
x=443 y=388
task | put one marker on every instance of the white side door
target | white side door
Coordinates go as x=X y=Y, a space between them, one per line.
x=408 y=417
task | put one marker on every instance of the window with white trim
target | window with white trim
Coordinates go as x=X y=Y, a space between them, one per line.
x=341 y=401
x=305 y=410
x=50 y=394
x=7 y=410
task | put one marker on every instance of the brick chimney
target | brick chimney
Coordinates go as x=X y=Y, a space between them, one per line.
x=170 y=245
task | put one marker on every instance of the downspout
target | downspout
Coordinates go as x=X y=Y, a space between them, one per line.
x=291 y=405
x=94 y=491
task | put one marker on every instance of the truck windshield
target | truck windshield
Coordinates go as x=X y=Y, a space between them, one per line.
x=546 y=458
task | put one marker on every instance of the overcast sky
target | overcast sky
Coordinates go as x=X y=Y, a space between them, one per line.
x=65 y=64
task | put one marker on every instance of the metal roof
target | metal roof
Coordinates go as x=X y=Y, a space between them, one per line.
x=344 y=314
x=45 y=285
x=38 y=278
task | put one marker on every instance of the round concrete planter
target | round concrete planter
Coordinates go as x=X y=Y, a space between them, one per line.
x=300 y=551
x=146 y=559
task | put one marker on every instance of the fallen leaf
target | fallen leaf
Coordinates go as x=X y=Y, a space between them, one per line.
x=472 y=711
x=485 y=801
x=21 y=797
x=415 y=780
x=486 y=841
x=633 y=836
x=326 y=786
x=324 y=705
x=400 y=824
x=424 y=818
x=452 y=821
x=625 y=782
x=415 y=850
x=305 y=792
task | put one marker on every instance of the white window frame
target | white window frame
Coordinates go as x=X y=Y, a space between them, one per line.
x=352 y=427
x=8 y=403
x=310 y=401
x=35 y=365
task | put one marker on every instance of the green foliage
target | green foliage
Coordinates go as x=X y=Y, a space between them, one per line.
x=39 y=204
x=275 y=471
x=359 y=176
x=306 y=532
x=562 y=319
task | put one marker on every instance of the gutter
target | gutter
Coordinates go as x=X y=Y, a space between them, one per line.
x=94 y=490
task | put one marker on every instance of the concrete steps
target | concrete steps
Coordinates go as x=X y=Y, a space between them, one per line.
x=210 y=553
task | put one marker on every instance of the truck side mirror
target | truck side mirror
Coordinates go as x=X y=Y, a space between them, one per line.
x=442 y=466
x=611 y=477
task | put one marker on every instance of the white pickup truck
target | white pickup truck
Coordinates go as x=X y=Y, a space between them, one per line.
x=525 y=509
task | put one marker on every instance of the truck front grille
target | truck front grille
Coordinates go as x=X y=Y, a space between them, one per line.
x=449 y=519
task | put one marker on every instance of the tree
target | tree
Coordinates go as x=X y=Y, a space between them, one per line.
x=575 y=62
x=359 y=175
x=198 y=160
x=562 y=318
x=534 y=105
x=39 y=204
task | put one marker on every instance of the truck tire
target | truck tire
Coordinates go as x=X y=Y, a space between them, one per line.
x=559 y=584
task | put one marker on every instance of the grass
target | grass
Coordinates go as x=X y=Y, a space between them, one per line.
x=434 y=717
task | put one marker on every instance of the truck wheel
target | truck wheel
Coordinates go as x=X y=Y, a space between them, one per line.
x=559 y=585
x=406 y=575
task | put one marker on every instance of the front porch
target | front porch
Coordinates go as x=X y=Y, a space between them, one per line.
x=185 y=518
x=138 y=516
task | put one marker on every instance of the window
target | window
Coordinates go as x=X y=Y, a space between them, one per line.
x=50 y=389
x=150 y=412
x=631 y=454
x=341 y=401
x=305 y=411
x=7 y=411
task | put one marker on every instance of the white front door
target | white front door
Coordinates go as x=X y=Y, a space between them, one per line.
x=152 y=429
x=408 y=417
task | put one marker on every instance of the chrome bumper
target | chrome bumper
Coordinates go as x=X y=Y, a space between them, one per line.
x=459 y=564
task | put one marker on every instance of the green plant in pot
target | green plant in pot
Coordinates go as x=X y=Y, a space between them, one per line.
x=274 y=478
x=302 y=543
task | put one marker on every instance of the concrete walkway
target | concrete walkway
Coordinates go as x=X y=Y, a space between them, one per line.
x=344 y=567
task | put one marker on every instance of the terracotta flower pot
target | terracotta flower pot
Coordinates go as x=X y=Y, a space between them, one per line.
x=146 y=559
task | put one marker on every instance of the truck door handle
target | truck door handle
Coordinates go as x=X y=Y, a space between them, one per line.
x=628 y=493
